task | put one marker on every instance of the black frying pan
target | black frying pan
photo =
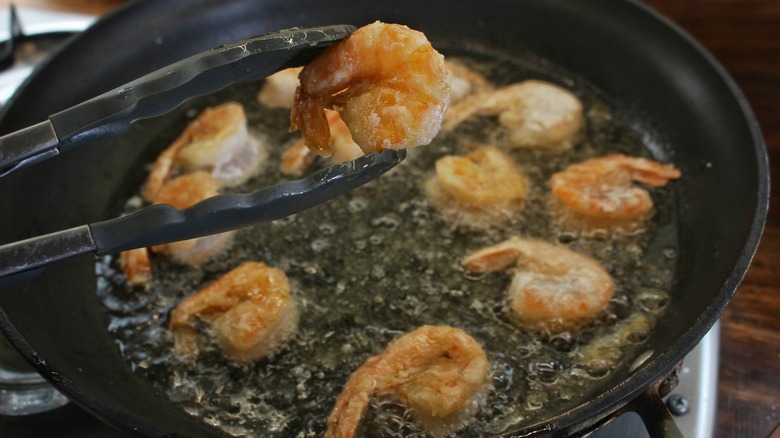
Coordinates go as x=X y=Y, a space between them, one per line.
x=652 y=73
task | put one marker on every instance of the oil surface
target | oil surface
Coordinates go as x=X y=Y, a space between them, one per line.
x=381 y=261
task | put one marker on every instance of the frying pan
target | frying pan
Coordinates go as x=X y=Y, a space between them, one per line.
x=684 y=103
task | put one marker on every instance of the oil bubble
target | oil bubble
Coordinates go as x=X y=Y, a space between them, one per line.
x=545 y=371
x=390 y=220
x=652 y=300
x=328 y=229
x=356 y=205
x=319 y=245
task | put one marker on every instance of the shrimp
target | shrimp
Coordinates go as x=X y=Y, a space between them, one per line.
x=536 y=113
x=218 y=142
x=279 y=89
x=465 y=82
x=435 y=371
x=136 y=266
x=482 y=188
x=183 y=192
x=298 y=158
x=386 y=81
x=553 y=288
x=600 y=193
x=250 y=310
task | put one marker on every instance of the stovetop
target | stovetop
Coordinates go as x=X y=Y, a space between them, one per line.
x=694 y=400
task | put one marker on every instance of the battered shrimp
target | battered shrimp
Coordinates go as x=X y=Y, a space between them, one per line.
x=600 y=192
x=537 y=114
x=136 y=266
x=298 y=158
x=482 y=188
x=249 y=308
x=279 y=89
x=553 y=287
x=387 y=82
x=465 y=81
x=218 y=142
x=183 y=192
x=436 y=372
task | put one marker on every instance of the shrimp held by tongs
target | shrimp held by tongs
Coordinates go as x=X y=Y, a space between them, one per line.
x=435 y=371
x=388 y=83
x=111 y=114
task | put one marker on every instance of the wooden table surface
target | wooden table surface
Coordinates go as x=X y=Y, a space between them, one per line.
x=744 y=35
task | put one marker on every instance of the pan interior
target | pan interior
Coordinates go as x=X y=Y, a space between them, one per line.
x=382 y=261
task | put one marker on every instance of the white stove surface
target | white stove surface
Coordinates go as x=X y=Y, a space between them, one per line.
x=34 y=22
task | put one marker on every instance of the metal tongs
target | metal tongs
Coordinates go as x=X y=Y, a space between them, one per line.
x=110 y=114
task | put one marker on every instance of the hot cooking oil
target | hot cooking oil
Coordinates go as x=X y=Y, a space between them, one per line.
x=381 y=261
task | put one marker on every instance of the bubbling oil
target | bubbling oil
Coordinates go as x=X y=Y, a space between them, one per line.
x=381 y=261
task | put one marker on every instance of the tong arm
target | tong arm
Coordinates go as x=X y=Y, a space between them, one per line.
x=111 y=114
x=160 y=224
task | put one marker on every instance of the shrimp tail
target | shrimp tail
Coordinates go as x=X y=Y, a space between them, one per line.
x=185 y=342
x=347 y=414
x=654 y=174
x=494 y=258
x=308 y=115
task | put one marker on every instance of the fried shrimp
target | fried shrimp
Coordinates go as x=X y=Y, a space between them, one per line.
x=387 y=82
x=250 y=310
x=278 y=91
x=553 y=288
x=298 y=158
x=218 y=142
x=435 y=371
x=183 y=192
x=465 y=82
x=136 y=266
x=537 y=114
x=482 y=188
x=600 y=192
